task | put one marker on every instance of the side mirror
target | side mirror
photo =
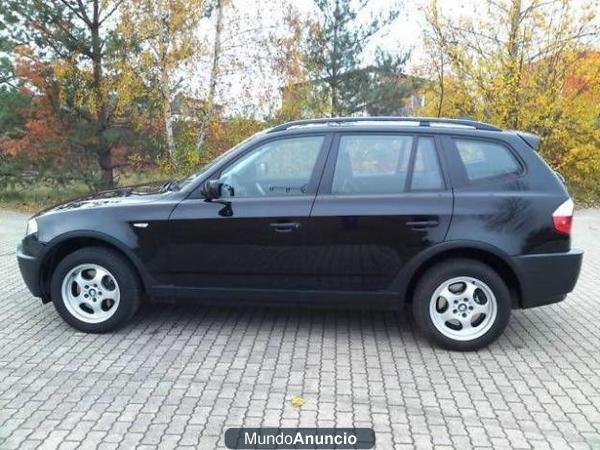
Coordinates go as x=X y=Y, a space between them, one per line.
x=212 y=189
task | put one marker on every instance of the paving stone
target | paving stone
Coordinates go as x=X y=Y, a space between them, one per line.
x=178 y=376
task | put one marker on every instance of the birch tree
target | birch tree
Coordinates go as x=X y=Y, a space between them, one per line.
x=206 y=113
x=164 y=45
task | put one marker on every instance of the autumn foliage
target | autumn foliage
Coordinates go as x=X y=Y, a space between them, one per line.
x=88 y=99
x=537 y=71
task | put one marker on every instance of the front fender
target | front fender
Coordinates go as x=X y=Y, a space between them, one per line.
x=99 y=237
x=70 y=241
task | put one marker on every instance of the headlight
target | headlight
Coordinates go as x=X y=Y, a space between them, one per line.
x=32 y=227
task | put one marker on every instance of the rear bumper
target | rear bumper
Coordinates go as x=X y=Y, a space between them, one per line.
x=547 y=278
x=30 y=271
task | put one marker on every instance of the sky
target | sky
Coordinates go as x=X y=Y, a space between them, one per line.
x=254 y=84
x=247 y=89
x=407 y=29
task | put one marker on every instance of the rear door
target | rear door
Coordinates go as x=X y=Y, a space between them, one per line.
x=383 y=198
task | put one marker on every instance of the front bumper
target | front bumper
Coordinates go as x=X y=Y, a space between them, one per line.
x=30 y=270
x=547 y=278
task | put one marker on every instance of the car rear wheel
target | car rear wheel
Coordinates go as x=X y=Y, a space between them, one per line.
x=95 y=290
x=462 y=304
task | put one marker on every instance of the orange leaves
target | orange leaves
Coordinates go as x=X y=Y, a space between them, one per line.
x=44 y=136
x=223 y=135
x=32 y=71
x=584 y=75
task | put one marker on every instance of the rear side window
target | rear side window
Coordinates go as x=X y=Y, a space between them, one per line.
x=372 y=164
x=484 y=159
x=426 y=173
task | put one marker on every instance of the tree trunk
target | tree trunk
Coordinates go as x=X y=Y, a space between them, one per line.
x=214 y=74
x=513 y=73
x=106 y=168
x=441 y=99
x=334 y=101
x=334 y=70
x=165 y=86
x=169 y=129
x=104 y=150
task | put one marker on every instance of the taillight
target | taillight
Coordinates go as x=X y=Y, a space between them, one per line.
x=563 y=217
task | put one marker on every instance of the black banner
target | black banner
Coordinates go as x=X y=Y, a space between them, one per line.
x=300 y=438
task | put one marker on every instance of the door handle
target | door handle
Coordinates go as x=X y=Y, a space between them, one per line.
x=422 y=224
x=285 y=227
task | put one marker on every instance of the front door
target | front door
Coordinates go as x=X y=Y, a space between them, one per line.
x=254 y=236
x=383 y=198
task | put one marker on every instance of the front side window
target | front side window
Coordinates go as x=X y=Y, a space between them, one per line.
x=484 y=159
x=372 y=164
x=280 y=167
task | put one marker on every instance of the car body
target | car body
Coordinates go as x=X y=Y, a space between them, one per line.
x=345 y=211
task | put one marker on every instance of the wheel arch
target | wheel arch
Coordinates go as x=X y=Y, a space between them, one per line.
x=66 y=244
x=485 y=253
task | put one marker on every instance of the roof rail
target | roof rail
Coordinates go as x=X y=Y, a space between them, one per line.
x=421 y=121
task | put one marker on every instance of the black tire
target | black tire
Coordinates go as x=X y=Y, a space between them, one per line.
x=445 y=271
x=119 y=267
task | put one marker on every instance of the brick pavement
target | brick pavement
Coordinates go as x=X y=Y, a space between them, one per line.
x=177 y=376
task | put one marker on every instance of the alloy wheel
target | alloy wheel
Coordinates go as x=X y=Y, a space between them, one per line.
x=463 y=308
x=90 y=293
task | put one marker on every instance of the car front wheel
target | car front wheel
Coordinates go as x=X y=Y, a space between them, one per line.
x=95 y=290
x=462 y=304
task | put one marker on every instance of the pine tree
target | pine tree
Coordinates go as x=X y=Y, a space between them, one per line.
x=334 y=56
x=79 y=36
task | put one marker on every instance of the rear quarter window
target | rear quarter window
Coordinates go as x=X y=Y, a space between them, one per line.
x=484 y=159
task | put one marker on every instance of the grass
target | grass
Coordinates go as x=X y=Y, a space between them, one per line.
x=41 y=195
x=585 y=198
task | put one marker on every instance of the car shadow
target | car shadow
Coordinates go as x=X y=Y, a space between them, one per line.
x=159 y=316
x=368 y=326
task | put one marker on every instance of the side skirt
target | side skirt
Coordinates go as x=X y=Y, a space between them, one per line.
x=386 y=300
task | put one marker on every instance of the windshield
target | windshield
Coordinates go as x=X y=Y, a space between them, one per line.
x=181 y=183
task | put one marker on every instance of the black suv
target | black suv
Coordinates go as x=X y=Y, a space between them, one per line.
x=459 y=219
